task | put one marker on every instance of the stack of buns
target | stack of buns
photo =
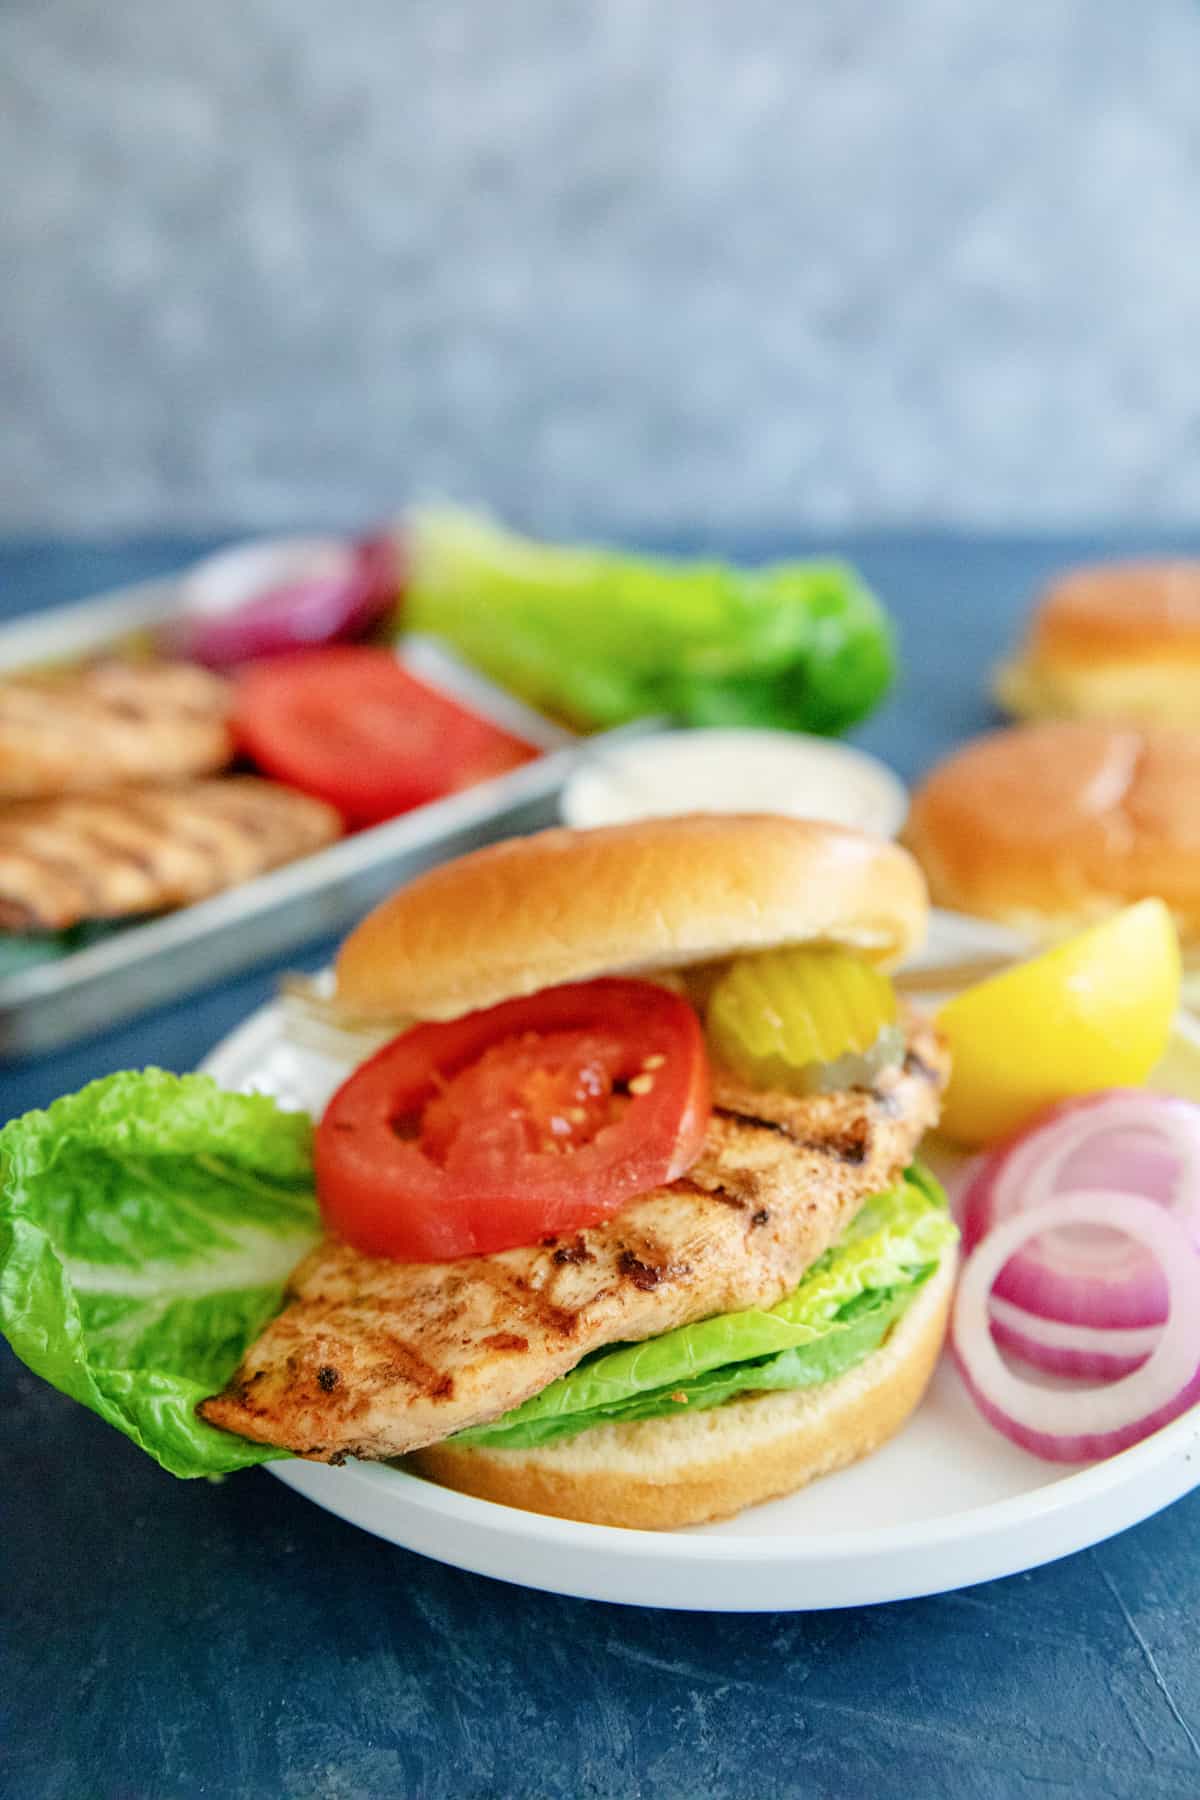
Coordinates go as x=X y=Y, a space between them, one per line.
x=1112 y=641
x=1094 y=802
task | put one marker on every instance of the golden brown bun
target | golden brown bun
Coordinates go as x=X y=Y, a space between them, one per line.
x=1116 y=641
x=661 y=1474
x=1048 y=827
x=654 y=895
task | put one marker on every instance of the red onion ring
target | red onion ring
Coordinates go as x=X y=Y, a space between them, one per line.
x=264 y=599
x=1126 y=1139
x=1078 y=1425
x=1088 y=1352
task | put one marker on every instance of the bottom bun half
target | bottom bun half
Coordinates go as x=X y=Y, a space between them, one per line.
x=661 y=1474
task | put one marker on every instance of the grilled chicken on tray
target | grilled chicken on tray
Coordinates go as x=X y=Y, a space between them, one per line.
x=110 y=723
x=134 y=850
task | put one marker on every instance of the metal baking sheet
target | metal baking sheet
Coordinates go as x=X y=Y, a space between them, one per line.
x=167 y=957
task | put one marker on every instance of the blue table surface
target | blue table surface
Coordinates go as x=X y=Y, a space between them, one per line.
x=168 y=1638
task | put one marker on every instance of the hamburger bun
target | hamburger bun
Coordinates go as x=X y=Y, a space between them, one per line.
x=1116 y=641
x=662 y=1474
x=641 y=898
x=1048 y=827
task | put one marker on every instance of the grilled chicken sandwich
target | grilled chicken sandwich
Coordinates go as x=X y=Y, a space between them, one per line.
x=624 y=1224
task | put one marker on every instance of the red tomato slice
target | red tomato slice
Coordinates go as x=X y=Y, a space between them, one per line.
x=524 y=1120
x=348 y=724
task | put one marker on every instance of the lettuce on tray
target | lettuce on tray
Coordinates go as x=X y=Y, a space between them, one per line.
x=601 y=637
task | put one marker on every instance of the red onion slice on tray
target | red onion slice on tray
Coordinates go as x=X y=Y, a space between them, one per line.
x=264 y=599
x=1088 y=1352
x=1126 y=1140
x=1080 y=1424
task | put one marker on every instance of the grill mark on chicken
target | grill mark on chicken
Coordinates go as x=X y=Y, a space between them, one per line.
x=575 y=1252
x=676 y=1255
x=851 y=1146
x=57 y=882
x=411 y=1367
x=513 y=1296
x=138 y=850
x=80 y=730
x=646 y=1271
x=142 y=810
x=747 y=1118
x=561 y=1321
x=719 y=1194
x=111 y=847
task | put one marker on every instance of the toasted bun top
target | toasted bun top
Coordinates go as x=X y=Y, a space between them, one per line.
x=1063 y=820
x=654 y=895
x=1140 y=610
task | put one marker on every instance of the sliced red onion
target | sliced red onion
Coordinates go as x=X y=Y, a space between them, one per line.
x=1126 y=1140
x=1088 y=1352
x=265 y=599
x=1079 y=1425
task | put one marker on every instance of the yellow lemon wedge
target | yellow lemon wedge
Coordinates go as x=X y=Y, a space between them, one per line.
x=1095 y=1012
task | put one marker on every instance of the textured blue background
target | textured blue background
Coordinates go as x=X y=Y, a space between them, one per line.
x=164 y=1640
x=766 y=264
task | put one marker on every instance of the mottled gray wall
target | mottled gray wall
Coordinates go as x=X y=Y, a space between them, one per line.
x=638 y=262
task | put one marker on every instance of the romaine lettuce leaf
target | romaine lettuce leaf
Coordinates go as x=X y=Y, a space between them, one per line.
x=147 y=1225
x=839 y=1313
x=602 y=637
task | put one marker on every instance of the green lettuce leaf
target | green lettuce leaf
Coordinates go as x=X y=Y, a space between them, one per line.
x=601 y=637
x=840 y=1312
x=147 y=1226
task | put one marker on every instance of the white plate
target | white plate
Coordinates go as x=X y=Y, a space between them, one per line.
x=947 y=1503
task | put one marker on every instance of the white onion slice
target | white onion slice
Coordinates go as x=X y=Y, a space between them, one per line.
x=1129 y=1140
x=1078 y=1425
x=1088 y=1352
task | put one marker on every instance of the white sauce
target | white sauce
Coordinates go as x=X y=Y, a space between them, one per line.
x=736 y=771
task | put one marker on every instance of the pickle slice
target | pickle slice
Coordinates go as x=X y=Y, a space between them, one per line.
x=807 y=1020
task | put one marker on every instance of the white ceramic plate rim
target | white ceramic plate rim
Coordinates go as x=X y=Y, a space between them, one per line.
x=1071 y=1491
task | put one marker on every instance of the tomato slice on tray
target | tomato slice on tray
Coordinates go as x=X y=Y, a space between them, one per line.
x=527 y=1119
x=353 y=727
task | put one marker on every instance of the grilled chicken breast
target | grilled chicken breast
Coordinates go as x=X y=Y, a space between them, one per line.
x=374 y=1358
x=142 y=849
x=112 y=723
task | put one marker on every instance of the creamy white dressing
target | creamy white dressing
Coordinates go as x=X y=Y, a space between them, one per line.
x=736 y=771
